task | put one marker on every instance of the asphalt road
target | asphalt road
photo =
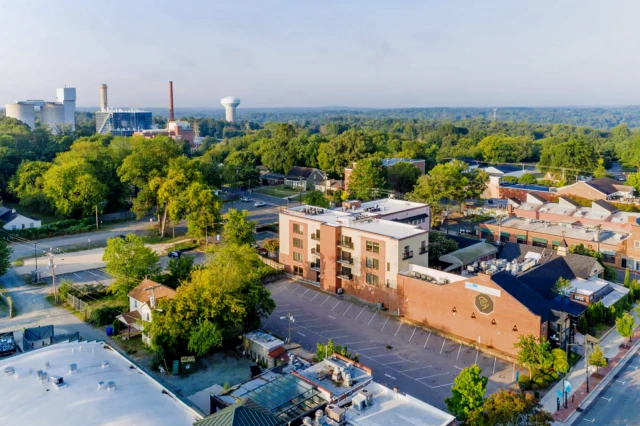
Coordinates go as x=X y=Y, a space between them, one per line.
x=619 y=402
x=420 y=363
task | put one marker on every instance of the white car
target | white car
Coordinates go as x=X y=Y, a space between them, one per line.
x=245 y=199
x=259 y=204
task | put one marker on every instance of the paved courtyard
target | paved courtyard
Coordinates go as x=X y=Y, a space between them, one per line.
x=421 y=363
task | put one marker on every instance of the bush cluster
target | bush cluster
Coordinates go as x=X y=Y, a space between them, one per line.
x=64 y=227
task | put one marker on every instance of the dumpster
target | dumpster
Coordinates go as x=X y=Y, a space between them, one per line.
x=176 y=367
x=187 y=365
x=109 y=331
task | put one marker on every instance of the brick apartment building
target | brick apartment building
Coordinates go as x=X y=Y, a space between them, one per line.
x=601 y=227
x=357 y=249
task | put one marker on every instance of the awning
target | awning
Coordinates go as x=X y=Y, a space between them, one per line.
x=521 y=237
x=486 y=231
x=539 y=240
x=609 y=252
x=504 y=234
x=556 y=243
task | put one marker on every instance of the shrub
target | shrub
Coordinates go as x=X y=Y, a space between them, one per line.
x=18 y=262
x=524 y=382
x=583 y=325
x=105 y=315
x=117 y=325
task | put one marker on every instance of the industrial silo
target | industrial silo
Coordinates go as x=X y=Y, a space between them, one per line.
x=23 y=112
x=52 y=115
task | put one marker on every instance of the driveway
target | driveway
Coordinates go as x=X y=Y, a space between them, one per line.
x=422 y=364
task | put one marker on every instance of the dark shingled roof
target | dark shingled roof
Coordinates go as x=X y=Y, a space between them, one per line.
x=603 y=204
x=607 y=185
x=463 y=241
x=564 y=304
x=246 y=412
x=570 y=201
x=301 y=172
x=523 y=294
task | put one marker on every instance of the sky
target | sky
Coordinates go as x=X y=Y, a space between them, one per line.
x=358 y=53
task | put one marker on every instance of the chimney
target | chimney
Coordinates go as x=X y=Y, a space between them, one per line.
x=103 y=97
x=509 y=209
x=563 y=247
x=171 y=101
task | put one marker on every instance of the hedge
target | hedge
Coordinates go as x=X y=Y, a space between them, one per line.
x=64 y=227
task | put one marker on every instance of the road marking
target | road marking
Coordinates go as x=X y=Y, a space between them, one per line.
x=439 y=386
x=425 y=343
x=374 y=315
x=608 y=399
x=443 y=342
x=389 y=376
x=345 y=312
x=334 y=308
x=354 y=343
x=477 y=353
x=286 y=310
x=305 y=292
x=459 y=349
x=635 y=367
x=95 y=275
x=375 y=347
x=325 y=301
x=414 y=332
x=590 y=421
x=398 y=329
x=359 y=314
x=494 y=364
x=295 y=287
x=317 y=294
x=459 y=368
x=417 y=368
x=433 y=375
x=79 y=277
x=302 y=334
x=331 y=317
x=297 y=321
x=395 y=362
x=385 y=323
x=621 y=381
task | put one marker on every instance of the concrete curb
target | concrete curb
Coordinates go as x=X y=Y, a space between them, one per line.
x=600 y=386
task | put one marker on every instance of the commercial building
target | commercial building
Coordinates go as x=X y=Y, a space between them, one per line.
x=55 y=115
x=85 y=383
x=599 y=189
x=357 y=249
x=263 y=347
x=386 y=163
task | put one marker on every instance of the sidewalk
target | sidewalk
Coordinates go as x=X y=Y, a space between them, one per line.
x=577 y=376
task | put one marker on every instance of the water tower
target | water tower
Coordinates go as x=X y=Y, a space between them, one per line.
x=230 y=103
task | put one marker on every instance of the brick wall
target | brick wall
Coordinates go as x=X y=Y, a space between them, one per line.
x=521 y=194
x=583 y=190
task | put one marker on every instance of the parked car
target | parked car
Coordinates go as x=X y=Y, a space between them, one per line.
x=175 y=253
x=245 y=199
x=259 y=204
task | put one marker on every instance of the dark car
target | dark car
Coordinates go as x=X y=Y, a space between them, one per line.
x=175 y=253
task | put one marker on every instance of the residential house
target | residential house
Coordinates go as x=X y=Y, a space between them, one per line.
x=329 y=186
x=14 y=221
x=305 y=177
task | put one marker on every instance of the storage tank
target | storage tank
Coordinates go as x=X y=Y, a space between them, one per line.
x=23 y=112
x=52 y=115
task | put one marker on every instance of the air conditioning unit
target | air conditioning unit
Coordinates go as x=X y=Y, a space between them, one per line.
x=339 y=290
x=335 y=413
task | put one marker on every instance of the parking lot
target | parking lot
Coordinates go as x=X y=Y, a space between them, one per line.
x=90 y=276
x=419 y=362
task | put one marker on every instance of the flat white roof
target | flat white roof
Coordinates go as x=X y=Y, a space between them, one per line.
x=387 y=227
x=137 y=400
x=435 y=273
x=557 y=230
x=263 y=339
x=390 y=408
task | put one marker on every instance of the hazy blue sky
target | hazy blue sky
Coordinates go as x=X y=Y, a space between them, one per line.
x=365 y=53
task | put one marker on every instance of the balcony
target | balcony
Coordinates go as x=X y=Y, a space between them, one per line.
x=315 y=266
x=407 y=255
x=423 y=250
x=315 y=252
x=315 y=236
x=345 y=260
x=346 y=245
x=345 y=276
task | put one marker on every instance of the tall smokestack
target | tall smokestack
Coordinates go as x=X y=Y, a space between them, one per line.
x=103 y=97
x=171 y=101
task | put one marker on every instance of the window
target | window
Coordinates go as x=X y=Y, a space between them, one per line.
x=135 y=303
x=372 y=263
x=372 y=279
x=636 y=244
x=23 y=226
x=148 y=317
x=373 y=247
x=609 y=258
x=297 y=270
x=297 y=228
x=297 y=257
x=388 y=267
x=31 y=225
x=13 y=227
x=297 y=243
x=346 y=242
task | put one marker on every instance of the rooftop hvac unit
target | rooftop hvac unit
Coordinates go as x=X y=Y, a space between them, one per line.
x=335 y=413
x=347 y=379
x=369 y=396
x=307 y=421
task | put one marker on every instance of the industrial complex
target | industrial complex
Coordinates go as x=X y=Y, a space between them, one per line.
x=55 y=115
x=119 y=121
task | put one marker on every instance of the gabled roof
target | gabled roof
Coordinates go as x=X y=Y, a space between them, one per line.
x=301 y=172
x=469 y=254
x=523 y=294
x=142 y=295
x=608 y=186
x=536 y=197
x=569 y=201
x=243 y=413
x=604 y=205
x=130 y=317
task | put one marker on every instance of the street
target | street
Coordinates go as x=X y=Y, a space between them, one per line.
x=422 y=364
x=619 y=401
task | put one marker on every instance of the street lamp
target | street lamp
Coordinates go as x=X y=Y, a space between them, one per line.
x=290 y=319
x=446 y=224
x=586 y=363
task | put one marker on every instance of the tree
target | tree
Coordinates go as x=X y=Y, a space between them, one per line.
x=467 y=393
x=528 y=179
x=325 y=350
x=272 y=245
x=238 y=230
x=510 y=408
x=28 y=185
x=575 y=154
x=560 y=363
x=222 y=300
x=402 y=177
x=367 y=177
x=583 y=325
x=202 y=210
x=5 y=257
x=627 y=278
x=179 y=270
x=625 y=325
x=440 y=244
x=562 y=287
x=128 y=260
x=343 y=150
x=504 y=149
x=634 y=180
x=533 y=352
x=316 y=198
x=597 y=358
x=600 y=171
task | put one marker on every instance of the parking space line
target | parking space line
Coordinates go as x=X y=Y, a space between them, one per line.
x=439 y=386
x=385 y=323
x=305 y=292
x=433 y=375
x=414 y=332
x=345 y=312
x=317 y=294
x=427 y=341
x=443 y=342
x=314 y=319
x=374 y=315
x=395 y=362
x=459 y=349
x=79 y=277
x=477 y=353
x=494 y=364
x=375 y=356
x=413 y=369
x=295 y=287
x=334 y=308
x=325 y=301
x=354 y=343
x=94 y=274
x=286 y=310
x=359 y=314
x=398 y=329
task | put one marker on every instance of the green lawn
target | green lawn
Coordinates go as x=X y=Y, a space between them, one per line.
x=277 y=191
x=45 y=218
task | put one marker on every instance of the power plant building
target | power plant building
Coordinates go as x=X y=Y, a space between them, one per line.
x=120 y=122
x=52 y=114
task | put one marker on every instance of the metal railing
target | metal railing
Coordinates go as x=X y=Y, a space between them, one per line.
x=346 y=244
x=315 y=266
x=407 y=255
x=346 y=260
x=423 y=250
x=315 y=236
x=345 y=276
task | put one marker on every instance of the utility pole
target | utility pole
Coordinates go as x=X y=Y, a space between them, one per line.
x=35 y=254
x=53 y=275
x=173 y=228
x=97 y=227
x=290 y=319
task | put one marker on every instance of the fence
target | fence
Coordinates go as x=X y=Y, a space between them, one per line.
x=272 y=263
x=302 y=280
x=78 y=305
x=117 y=216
